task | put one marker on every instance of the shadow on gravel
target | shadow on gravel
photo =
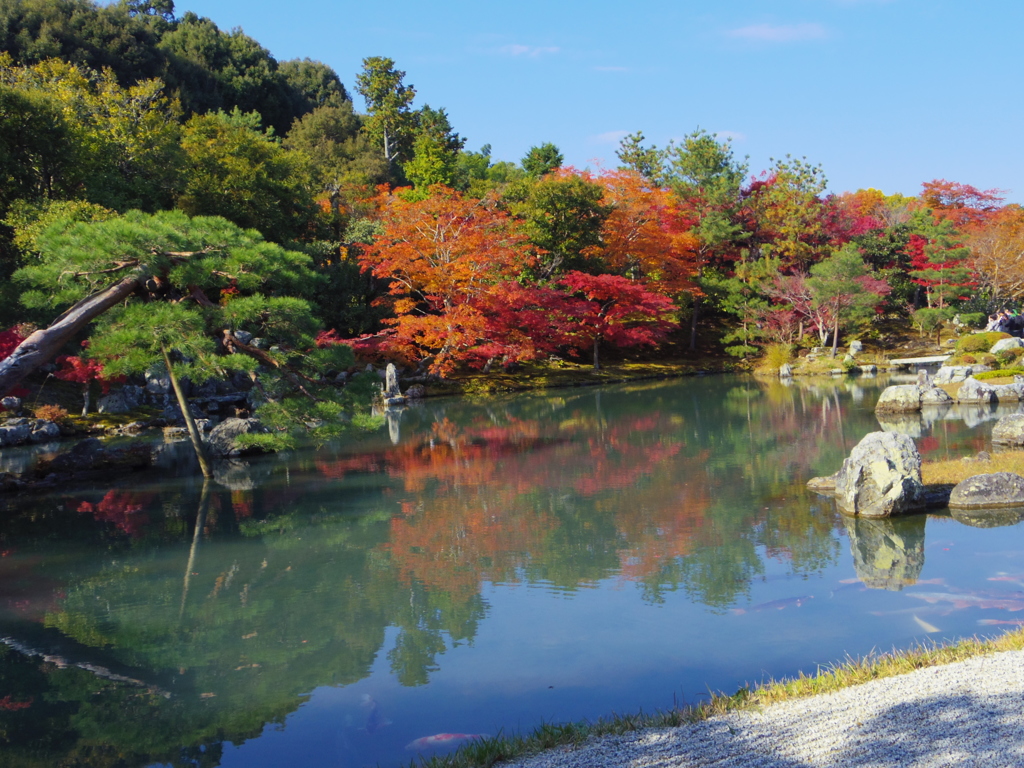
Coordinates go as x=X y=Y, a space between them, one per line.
x=961 y=729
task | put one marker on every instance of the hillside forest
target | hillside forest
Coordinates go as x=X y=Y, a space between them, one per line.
x=171 y=191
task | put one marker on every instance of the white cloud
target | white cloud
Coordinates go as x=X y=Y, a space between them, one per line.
x=530 y=51
x=611 y=137
x=780 y=33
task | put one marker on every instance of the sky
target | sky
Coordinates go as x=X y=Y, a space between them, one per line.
x=883 y=94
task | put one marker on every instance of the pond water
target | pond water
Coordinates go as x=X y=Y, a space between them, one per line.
x=475 y=568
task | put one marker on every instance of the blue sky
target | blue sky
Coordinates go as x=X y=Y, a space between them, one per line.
x=880 y=93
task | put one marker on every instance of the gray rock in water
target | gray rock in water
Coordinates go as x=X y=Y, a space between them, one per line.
x=974 y=391
x=785 y=371
x=222 y=440
x=14 y=434
x=391 y=389
x=924 y=381
x=869 y=369
x=416 y=392
x=42 y=431
x=1009 y=430
x=935 y=396
x=881 y=477
x=899 y=397
x=1009 y=393
x=999 y=489
x=1004 y=344
x=952 y=374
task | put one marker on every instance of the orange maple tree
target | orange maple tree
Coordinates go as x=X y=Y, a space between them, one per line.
x=647 y=234
x=443 y=255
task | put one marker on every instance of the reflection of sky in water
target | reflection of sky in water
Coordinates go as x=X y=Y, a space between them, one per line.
x=533 y=559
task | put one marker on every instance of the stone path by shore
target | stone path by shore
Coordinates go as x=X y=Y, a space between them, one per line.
x=969 y=713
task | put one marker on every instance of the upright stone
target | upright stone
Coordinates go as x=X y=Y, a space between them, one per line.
x=881 y=477
x=392 y=393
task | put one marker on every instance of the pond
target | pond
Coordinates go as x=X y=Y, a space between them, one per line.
x=475 y=568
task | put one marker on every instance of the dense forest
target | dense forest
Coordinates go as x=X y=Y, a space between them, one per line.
x=161 y=176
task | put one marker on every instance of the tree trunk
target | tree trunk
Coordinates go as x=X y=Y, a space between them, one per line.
x=835 y=336
x=693 y=323
x=597 y=342
x=43 y=345
x=85 y=399
x=190 y=423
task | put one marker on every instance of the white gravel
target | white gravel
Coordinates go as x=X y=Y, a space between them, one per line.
x=970 y=713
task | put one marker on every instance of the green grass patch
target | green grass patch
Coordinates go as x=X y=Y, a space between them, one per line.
x=1002 y=373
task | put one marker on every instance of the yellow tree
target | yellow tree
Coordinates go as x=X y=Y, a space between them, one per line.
x=997 y=254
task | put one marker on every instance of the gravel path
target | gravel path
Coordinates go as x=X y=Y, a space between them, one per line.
x=970 y=713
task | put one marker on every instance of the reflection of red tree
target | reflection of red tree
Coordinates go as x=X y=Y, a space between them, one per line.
x=241 y=504
x=125 y=509
x=12 y=706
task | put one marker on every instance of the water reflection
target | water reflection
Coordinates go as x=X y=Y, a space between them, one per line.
x=661 y=512
x=887 y=553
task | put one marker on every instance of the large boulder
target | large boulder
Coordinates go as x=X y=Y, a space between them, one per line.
x=999 y=489
x=952 y=374
x=881 y=477
x=15 y=432
x=1009 y=393
x=1009 y=430
x=899 y=397
x=223 y=439
x=936 y=396
x=1004 y=344
x=974 y=391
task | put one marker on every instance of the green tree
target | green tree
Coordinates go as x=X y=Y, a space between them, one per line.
x=649 y=162
x=541 y=160
x=312 y=84
x=218 y=279
x=390 y=121
x=707 y=178
x=845 y=287
x=563 y=215
x=235 y=171
x=435 y=150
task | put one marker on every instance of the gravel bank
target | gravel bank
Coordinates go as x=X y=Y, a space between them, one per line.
x=970 y=713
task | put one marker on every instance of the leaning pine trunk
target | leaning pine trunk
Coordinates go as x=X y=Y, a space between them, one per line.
x=597 y=341
x=43 y=345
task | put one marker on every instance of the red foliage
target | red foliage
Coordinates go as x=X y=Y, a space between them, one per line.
x=13 y=706
x=966 y=206
x=9 y=341
x=125 y=509
x=610 y=308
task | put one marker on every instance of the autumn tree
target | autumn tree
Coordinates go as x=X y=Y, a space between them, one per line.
x=442 y=254
x=965 y=206
x=939 y=261
x=646 y=235
x=997 y=255
x=616 y=310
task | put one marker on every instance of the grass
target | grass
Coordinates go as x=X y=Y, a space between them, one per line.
x=953 y=471
x=854 y=671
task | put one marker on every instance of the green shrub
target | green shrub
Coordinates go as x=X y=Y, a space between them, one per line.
x=1008 y=357
x=973 y=319
x=776 y=356
x=979 y=342
x=999 y=374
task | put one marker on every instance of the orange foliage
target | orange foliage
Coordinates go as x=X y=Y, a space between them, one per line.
x=442 y=254
x=646 y=235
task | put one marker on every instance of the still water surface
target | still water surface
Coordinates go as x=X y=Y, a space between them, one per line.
x=474 y=568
